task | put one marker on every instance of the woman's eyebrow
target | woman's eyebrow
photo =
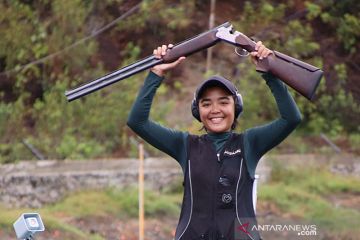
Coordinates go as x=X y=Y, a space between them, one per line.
x=205 y=100
x=224 y=98
x=218 y=99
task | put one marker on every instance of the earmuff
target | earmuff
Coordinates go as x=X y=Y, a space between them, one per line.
x=238 y=106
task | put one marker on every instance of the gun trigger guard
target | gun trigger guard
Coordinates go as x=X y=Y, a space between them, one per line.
x=243 y=50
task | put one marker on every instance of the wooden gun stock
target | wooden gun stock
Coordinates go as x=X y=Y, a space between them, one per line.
x=302 y=77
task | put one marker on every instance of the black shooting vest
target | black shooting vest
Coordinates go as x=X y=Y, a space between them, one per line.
x=217 y=191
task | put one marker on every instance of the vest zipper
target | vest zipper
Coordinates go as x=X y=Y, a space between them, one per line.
x=213 y=234
x=214 y=225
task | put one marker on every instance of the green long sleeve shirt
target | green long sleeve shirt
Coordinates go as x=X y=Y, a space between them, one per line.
x=257 y=140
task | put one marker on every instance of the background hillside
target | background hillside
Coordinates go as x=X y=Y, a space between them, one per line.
x=50 y=46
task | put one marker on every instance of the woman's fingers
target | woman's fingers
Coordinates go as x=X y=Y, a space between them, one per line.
x=268 y=52
x=174 y=64
x=257 y=45
x=157 y=52
x=180 y=60
x=261 y=51
x=265 y=53
x=254 y=57
x=161 y=50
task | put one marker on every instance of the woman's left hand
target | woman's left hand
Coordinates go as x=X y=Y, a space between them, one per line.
x=260 y=52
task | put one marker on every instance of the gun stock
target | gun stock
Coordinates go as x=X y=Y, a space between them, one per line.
x=302 y=77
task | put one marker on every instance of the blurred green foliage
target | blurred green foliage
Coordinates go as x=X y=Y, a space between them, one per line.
x=342 y=16
x=335 y=110
x=172 y=16
x=33 y=106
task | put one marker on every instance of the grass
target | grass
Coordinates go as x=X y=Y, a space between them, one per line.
x=8 y=217
x=314 y=179
x=109 y=202
x=122 y=203
x=305 y=193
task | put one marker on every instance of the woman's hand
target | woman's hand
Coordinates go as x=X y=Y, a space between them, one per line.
x=260 y=52
x=160 y=69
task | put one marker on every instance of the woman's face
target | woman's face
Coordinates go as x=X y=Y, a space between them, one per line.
x=217 y=109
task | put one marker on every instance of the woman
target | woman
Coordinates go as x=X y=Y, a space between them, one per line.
x=218 y=166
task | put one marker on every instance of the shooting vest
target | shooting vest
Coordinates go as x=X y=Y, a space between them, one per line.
x=217 y=192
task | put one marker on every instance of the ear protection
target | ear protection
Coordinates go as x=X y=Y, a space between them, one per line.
x=238 y=106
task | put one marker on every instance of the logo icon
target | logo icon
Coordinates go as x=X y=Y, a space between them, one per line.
x=244 y=228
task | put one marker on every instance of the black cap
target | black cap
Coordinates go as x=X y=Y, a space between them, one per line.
x=215 y=81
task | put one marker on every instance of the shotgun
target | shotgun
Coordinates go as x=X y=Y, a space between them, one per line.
x=302 y=77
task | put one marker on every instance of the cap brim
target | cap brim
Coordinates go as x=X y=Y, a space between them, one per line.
x=216 y=81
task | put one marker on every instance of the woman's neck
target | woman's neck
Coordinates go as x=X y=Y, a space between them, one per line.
x=216 y=134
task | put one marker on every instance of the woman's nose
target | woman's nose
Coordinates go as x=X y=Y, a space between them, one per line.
x=215 y=108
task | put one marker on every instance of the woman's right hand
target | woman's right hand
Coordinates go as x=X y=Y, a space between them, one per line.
x=161 y=69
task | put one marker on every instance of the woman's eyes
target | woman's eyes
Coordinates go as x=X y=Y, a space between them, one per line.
x=205 y=104
x=223 y=103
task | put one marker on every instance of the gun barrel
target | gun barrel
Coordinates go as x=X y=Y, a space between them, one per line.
x=111 y=78
x=185 y=48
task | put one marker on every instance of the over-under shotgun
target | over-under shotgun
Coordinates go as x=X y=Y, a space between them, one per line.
x=302 y=77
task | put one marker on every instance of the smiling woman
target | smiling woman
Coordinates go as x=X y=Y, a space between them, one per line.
x=217 y=110
x=217 y=104
x=219 y=166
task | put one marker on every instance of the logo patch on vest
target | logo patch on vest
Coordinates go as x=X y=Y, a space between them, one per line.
x=232 y=153
x=226 y=198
